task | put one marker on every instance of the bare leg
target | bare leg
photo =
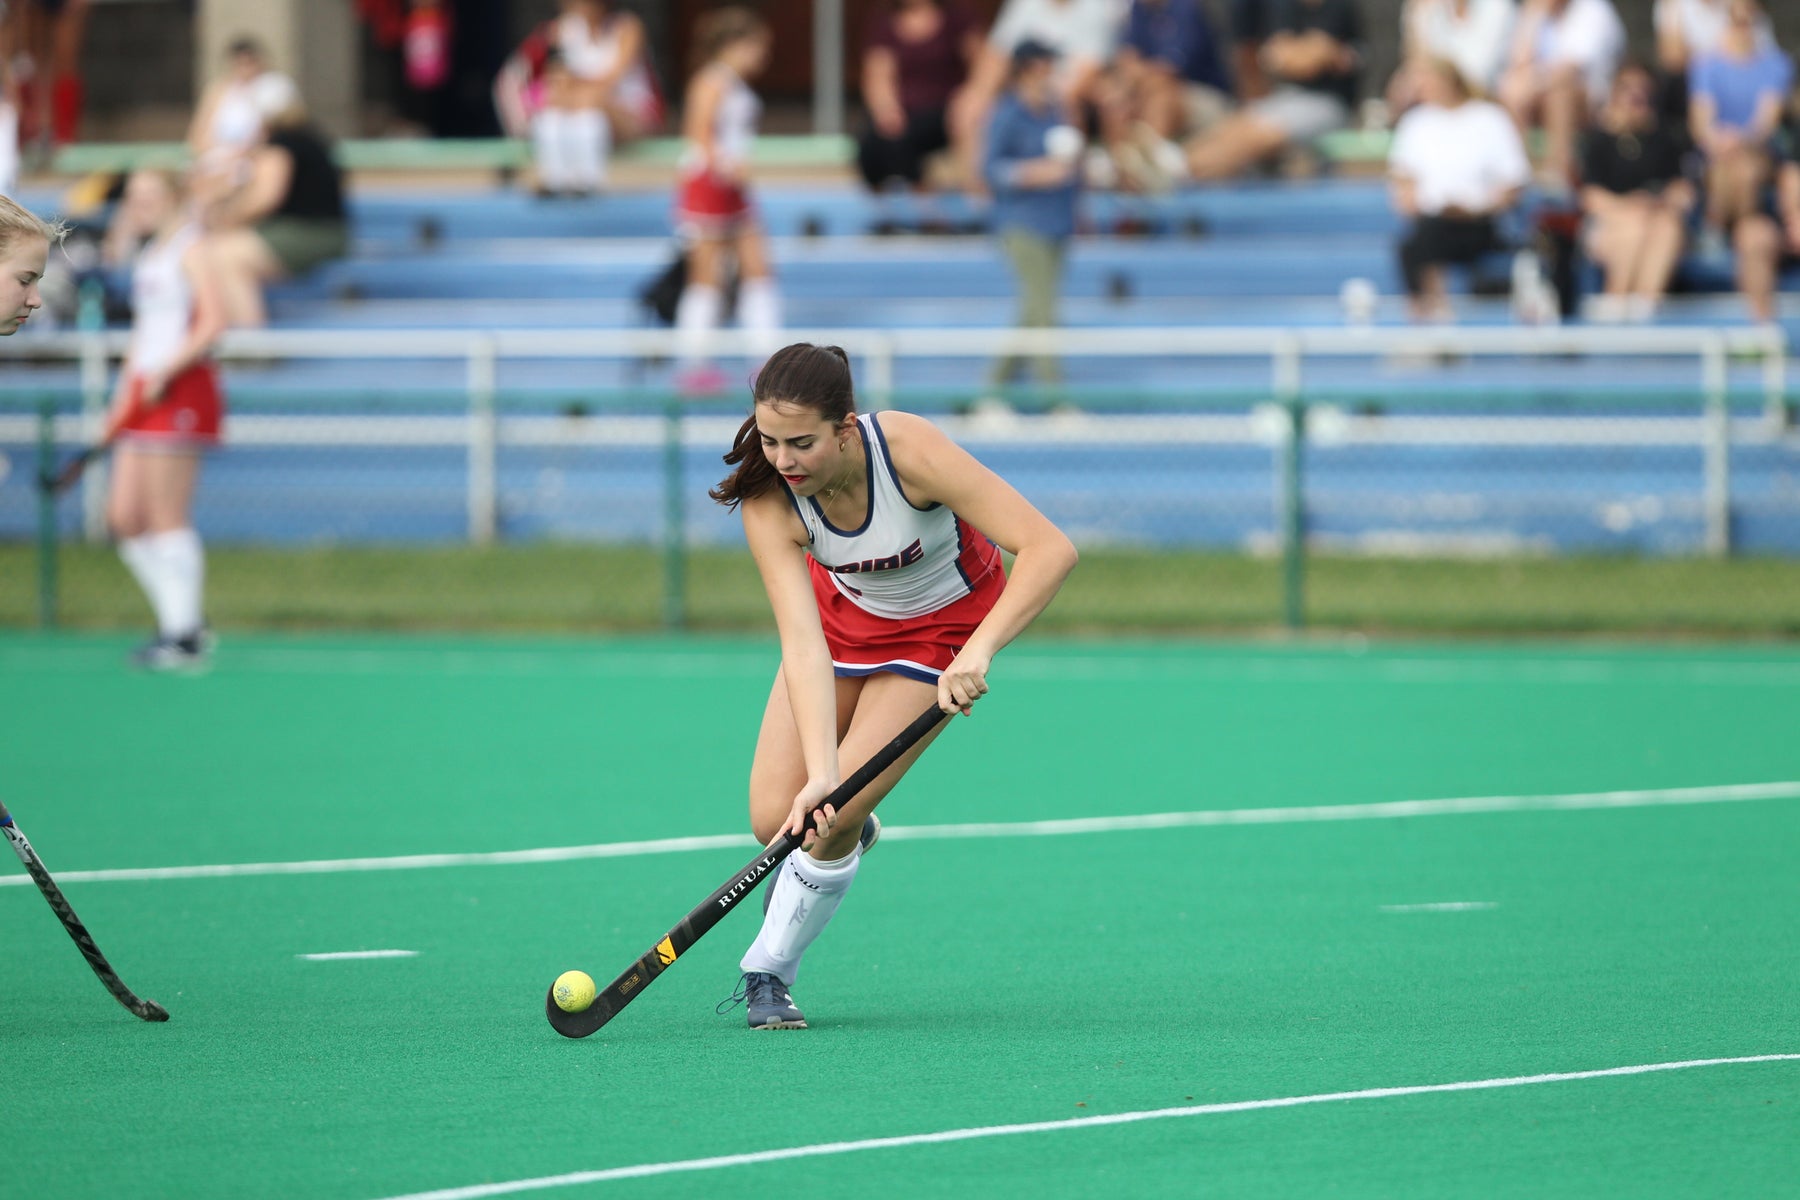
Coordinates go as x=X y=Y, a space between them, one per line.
x=1235 y=144
x=127 y=508
x=242 y=264
x=1662 y=245
x=1758 y=246
x=170 y=478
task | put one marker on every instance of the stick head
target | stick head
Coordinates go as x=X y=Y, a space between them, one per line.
x=579 y=1024
x=150 y=1010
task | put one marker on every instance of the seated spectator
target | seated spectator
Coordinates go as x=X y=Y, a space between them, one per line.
x=1473 y=34
x=1561 y=63
x=1685 y=30
x=228 y=124
x=917 y=58
x=1635 y=198
x=1081 y=33
x=1313 y=55
x=1736 y=95
x=1456 y=164
x=578 y=86
x=1167 y=83
x=1765 y=240
x=1032 y=164
x=286 y=218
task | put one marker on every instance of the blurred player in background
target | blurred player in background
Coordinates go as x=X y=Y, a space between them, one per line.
x=228 y=123
x=24 y=251
x=712 y=209
x=872 y=538
x=169 y=407
x=578 y=86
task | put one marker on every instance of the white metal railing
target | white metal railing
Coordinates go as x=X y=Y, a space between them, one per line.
x=1286 y=350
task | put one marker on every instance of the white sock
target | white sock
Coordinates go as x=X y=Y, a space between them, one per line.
x=145 y=564
x=759 y=310
x=549 y=140
x=587 y=138
x=807 y=893
x=181 y=568
x=696 y=315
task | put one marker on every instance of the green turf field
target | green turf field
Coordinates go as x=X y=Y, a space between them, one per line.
x=1291 y=932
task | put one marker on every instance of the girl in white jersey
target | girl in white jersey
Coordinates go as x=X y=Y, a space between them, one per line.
x=878 y=542
x=169 y=408
x=24 y=252
x=579 y=85
x=713 y=210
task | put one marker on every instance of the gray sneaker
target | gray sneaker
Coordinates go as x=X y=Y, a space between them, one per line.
x=768 y=1003
x=871 y=833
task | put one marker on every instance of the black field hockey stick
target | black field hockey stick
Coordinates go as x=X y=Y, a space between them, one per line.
x=55 y=484
x=639 y=975
x=148 y=1010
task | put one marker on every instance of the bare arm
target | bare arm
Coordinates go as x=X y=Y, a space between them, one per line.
x=271 y=173
x=199 y=136
x=934 y=469
x=1404 y=191
x=881 y=91
x=631 y=49
x=207 y=325
x=509 y=97
x=698 y=122
x=770 y=527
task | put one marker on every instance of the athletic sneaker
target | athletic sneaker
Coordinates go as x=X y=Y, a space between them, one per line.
x=768 y=1002
x=871 y=833
x=190 y=653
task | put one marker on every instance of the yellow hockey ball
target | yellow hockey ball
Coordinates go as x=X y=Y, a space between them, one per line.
x=574 y=991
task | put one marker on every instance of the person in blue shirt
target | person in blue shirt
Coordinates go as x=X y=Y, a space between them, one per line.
x=1168 y=82
x=1736 y=95
x=1031 y=164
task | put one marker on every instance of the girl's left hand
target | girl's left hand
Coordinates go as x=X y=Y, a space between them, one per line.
x=155 y=384
x=963 y=682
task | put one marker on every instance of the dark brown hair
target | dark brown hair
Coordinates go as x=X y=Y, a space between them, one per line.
x=816 y=378
x=717 y=29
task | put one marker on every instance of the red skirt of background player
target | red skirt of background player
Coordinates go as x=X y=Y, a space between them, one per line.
x=191 y=411
x=862 y=643
x=707 y=205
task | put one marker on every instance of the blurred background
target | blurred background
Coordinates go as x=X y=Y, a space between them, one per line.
x=1444 y=316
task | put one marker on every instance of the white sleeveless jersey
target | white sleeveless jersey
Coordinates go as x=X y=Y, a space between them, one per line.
x=904 y=561
x=590 y=55
x=735 y=121
x=162 y=301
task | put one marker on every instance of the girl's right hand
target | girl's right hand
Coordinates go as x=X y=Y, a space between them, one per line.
x=814 y=791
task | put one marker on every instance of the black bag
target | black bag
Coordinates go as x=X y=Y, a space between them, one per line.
x=661 y=296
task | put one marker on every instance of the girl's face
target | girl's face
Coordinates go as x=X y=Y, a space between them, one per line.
x=21 y=266
x=149 y=202
x=803 y=446
x=748 y=55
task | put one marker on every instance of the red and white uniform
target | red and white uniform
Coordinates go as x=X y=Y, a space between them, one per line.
x=903 y=592
x=191 y=409
x=711 y=201
x=594 y=54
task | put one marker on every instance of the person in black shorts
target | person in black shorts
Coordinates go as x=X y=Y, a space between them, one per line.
x=1635 y=199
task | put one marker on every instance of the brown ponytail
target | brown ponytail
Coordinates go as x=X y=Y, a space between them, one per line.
x=802 y=375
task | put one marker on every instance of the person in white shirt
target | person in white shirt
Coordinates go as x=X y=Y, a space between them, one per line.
x=228 y=123
x=1561 y=64
x=1473 y=34
x=1457 y=163
x=1083 y=33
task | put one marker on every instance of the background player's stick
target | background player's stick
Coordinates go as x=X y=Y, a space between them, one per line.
x=148 y=1010
x=712 y=910
x=63 y=480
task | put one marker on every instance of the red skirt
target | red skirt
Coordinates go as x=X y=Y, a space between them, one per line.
x=191 y=411
x=862 y=643
x=708 y=205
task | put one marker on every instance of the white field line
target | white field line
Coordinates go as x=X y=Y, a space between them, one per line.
x=1383 y=810
x=1070 y=1125
x=580 y=661
x=341 y=956
x=1441 y=906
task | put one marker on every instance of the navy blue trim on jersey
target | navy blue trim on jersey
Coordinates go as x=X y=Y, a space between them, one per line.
x=887 y=457
x=794 y=501
x=868 y=472
x=894 y=668
x=957 y=524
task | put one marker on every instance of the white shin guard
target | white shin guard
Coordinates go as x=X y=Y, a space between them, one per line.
x=588 y=145
x=549 y=142
x=807 y=893
x=696 y=316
